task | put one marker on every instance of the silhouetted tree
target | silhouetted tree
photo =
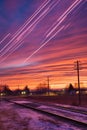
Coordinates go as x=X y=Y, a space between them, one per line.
x=6 y=90
x=71 y=89
x=26 y=90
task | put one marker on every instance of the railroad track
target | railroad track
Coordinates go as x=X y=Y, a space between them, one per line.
x=36 y=107
x=71 y=109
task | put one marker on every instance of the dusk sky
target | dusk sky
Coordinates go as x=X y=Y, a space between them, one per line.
x=40 y=38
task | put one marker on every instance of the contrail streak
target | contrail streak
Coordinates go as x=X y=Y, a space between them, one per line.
x=8 y=55
x=46 y=11
x=18 y=40
x=33 y=24
x=54 y=28
x=31 y=18
x=5 y=38
x=63 y=16
x=43 y=44
x=38 y=19
x=60 y=20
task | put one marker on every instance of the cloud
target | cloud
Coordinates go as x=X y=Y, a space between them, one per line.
x=57 y=56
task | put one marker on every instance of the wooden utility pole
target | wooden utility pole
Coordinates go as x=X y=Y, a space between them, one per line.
x=78 y=76
x=48 y=86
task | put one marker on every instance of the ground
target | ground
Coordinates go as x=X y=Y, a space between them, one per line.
x=62 y=99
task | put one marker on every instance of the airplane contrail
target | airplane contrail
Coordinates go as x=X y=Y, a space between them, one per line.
x=5 y=38
x=31 y=18
x=37 y=20
x=46 y=11
x=54 y=28
x=11 y=41
x=51 y=30
x=43 y=44
x=62 y=18
x=44 y=4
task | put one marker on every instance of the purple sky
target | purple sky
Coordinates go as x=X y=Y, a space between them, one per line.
x=40 y=38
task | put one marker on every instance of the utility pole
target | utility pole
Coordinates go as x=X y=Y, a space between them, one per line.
x=78 y=76
x=48 y=86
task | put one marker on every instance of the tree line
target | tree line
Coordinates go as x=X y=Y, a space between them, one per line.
x=6 y=91
x=41 y=89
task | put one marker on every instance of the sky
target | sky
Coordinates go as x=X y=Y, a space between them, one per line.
x=41 y=38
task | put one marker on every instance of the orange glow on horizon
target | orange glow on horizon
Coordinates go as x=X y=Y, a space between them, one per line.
x=58 y=78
